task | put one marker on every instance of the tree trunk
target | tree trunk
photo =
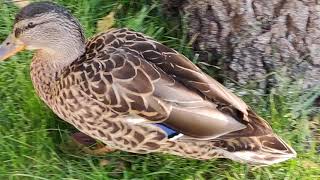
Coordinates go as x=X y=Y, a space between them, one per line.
x=256 y=37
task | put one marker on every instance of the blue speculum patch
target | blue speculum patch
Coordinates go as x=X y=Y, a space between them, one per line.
x=169 y=131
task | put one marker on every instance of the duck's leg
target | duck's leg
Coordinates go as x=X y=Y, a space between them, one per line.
x=90 y=145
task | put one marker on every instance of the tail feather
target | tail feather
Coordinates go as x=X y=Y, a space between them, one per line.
x=256 y=144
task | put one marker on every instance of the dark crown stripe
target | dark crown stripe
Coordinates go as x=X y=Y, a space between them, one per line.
x=37 y=8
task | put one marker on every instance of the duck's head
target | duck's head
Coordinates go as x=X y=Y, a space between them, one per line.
x=46 y=27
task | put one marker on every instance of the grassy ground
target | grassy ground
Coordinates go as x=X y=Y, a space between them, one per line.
x=33 y=140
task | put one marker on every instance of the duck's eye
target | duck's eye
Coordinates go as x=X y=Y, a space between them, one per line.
x=31 y=25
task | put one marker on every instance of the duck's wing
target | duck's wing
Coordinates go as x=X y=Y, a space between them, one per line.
x=130 y=87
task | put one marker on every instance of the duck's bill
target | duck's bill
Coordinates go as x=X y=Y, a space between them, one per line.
x=10 y=47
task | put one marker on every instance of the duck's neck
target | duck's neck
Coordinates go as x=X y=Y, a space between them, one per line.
x=47 y=66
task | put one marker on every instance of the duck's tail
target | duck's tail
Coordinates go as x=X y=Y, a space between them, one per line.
x=259 y=150
x=256 y=144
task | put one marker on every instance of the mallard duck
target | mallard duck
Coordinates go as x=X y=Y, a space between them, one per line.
x=135 y=94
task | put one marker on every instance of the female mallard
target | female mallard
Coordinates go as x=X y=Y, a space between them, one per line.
x=135 y=94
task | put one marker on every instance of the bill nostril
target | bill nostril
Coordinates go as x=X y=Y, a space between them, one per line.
x=8 y=43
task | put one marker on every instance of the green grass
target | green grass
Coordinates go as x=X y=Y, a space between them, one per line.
x=33 y=139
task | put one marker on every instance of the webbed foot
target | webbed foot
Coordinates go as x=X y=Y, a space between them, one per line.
x=89 y=145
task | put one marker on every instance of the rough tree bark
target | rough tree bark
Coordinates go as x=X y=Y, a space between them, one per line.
x=256 y=37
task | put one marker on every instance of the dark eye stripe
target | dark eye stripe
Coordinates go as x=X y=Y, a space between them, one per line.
x=19 y=31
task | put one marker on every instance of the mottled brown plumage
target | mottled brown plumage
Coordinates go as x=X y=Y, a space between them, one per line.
x=122 y=83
